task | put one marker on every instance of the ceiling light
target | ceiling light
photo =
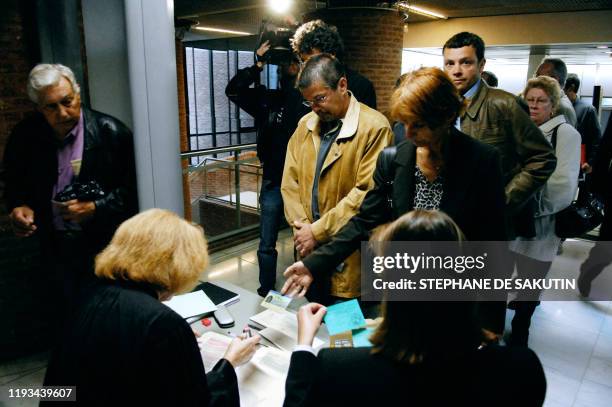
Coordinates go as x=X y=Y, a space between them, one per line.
x=280 y=6
x=419 y=10
x=220 y=30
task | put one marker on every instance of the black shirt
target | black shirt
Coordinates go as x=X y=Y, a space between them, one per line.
x=361 y=87
x=124 y=347
x=276 y=112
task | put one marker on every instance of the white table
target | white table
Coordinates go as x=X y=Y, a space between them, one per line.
x=244 y=308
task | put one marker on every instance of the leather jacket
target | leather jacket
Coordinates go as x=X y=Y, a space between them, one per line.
x=495 y=117
x=30 y=163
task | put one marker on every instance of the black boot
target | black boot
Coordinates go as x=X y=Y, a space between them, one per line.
x=584 y=284
x=521 y=323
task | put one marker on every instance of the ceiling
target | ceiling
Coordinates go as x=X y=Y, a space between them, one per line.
x=246 y=16
x=480 y=8
x=248 y=13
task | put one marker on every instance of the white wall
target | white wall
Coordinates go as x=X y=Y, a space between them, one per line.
x=512 y=77
x=107 y=64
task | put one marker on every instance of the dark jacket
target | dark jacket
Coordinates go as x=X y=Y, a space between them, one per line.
x=495 y=117
x=588 y=127
x=473 y=197
x=601 y=179
x=276 y=113
x=30 y=162
x=125 y=348
x=355 y=377
x=361 y=87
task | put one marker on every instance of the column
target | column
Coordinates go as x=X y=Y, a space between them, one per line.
x=153 y=86
x=373 y=39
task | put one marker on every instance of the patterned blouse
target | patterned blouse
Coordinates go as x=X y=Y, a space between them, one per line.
x=427 y=194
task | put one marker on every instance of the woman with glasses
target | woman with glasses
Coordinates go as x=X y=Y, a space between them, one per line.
x=534 y=256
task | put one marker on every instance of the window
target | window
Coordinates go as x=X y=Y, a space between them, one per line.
x=214 y=121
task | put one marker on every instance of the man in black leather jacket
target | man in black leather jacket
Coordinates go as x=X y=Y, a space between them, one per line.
x=276 y=113
x=60 y=144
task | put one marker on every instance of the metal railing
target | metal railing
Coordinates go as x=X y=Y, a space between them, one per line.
x=236 y=169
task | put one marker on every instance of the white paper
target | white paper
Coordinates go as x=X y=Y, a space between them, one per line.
x=285 y=323
x=212 y=348
x=261 y=381
x=191 y=304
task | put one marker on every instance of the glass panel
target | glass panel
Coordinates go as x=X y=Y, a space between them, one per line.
x=217 y=183
x=202 y=91
x=214 y=194
x=220 y=79
x=190 y=80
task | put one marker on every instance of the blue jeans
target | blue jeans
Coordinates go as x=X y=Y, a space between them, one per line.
x=271 y=204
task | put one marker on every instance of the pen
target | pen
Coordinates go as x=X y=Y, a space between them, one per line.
x=247 y=332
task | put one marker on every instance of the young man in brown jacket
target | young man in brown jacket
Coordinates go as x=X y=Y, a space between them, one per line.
x=495 y=117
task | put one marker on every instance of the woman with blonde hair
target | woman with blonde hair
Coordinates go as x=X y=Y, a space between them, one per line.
x=423 y=353
x=534 y=256
x=123 y=346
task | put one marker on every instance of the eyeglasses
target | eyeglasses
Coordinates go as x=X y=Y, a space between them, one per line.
x=318 y=100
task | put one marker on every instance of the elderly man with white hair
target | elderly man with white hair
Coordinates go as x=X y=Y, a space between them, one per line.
x=61 y=144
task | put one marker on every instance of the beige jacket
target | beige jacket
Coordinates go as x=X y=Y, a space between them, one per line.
x=345 y=178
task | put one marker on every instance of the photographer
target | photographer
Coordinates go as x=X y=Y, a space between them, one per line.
x=316 y=37
x=276 y=113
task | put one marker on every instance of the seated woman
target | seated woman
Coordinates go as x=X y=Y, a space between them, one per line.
x=423 y=353
x=124 y=347
x=438 y=168
x=534 y=256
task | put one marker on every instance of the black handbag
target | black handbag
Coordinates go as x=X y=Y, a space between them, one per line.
x=577 y=219
x=582 y=216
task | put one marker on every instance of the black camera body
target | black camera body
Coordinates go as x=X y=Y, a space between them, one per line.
x=278 y=35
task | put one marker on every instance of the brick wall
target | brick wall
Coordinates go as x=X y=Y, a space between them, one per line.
x=220 y=181
x=182 y=105
x=24 y=309
x=373 y=41
x=18 y=54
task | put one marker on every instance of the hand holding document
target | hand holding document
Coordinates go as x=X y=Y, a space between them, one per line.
x=276 y=301
x=281 y=328
x=261 y=381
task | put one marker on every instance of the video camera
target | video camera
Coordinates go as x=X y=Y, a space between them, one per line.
x=278 y=34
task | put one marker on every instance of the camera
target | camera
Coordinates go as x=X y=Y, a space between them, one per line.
x=278 y=34
x=83 y=191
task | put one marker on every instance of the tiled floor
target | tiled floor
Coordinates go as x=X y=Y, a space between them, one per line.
x=573 y=339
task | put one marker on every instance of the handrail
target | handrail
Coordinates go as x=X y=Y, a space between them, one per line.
x=218 y=150
x=220 y=163
x=206 y=161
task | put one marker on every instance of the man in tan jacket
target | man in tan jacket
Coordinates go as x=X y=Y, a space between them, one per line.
x=328 y=169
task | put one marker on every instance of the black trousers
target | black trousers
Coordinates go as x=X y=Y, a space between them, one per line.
x=600 y=255
x=70 y=259
x=526 y=302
